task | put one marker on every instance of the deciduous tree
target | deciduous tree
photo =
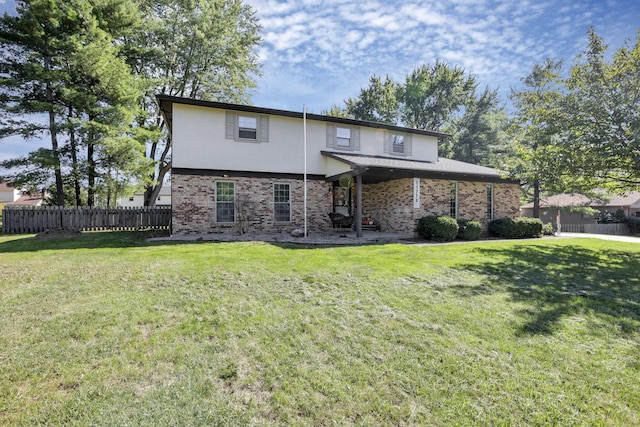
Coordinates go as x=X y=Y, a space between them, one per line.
x=197 y=49
x=431 y=95
x=536 y=128
x=601 y=127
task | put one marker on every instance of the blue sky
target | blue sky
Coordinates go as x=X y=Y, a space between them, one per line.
x=320 y=52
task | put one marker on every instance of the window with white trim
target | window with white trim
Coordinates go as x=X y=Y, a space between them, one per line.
x=225 y=201
x=282 y=202
x=246 y=127
x=453 y=200
x=397 y=144
x=343 y=137
x=490 y=212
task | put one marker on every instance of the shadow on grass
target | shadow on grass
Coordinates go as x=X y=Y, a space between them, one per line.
x=85 y=240
x=559 y=281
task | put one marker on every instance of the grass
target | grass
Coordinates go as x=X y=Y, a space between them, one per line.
x=106 y=329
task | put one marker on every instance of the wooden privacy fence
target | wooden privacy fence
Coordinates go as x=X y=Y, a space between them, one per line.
x=618 y=229
x=20 y=219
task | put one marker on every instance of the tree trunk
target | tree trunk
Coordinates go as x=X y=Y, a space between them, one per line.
x=54 y=140
x=74 y=160
x=152 y=190
x=91 y=164
x=536 y=198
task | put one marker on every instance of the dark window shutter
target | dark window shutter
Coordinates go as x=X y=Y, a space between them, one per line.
x=230 y=125
x=331 y=136
x=264 y=128
x=355 y=139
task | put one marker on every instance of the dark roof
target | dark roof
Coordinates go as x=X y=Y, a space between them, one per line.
x=166 y=106
x=631 y=199
x=378 y=169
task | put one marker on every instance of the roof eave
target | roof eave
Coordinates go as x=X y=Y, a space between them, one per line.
x=166 y=101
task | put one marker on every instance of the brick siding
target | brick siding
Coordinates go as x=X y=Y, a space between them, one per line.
x=194 y=205
x=389 y=203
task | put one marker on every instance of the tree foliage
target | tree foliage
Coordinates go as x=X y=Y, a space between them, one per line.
x=580 y=132
x=377 y=103
x=195 y=49
x=478 y=135
x=65 y=76
x=432 y=94
x=601 y=133
x=536 y=126
x=85 y=73
x=441 y=98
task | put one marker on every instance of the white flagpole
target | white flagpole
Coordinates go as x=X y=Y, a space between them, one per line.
x=304 y=128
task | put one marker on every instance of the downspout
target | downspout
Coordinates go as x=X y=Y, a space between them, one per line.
x=359 y=204
x=304 y=129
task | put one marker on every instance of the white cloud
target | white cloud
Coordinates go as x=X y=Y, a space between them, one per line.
x=341 y=43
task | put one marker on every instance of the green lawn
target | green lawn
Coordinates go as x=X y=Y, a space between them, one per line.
x=106 y=329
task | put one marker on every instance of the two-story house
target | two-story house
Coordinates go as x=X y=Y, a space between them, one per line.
x=238 y=168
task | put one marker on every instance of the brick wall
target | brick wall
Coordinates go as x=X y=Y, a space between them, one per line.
x=388 y=203
x=194 y=207
x=391 y=203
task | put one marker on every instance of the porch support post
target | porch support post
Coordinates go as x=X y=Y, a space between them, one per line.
x=359 y=205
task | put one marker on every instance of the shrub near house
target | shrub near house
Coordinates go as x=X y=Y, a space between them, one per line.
x=515 y=228
x=440 y=228
x=469 y=230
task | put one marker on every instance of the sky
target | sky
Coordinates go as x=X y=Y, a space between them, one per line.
x=317 y=53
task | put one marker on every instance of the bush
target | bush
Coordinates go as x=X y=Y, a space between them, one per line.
x=547 y=229
x=634 y=225
x=469 y=230
x=607 y=217
x=515 y=228
x=440 y=228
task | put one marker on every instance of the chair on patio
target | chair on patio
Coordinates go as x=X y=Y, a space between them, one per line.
x=340 y=221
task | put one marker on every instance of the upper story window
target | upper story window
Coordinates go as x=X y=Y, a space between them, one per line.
x=397 y=144
x=343 y=137
x=247 y=127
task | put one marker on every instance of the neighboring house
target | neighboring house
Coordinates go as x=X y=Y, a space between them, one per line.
x=241 y=168
x=630 y=205
x=137 y=200
x=11 y=196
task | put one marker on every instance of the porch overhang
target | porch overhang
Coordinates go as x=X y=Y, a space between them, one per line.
x=375 y=169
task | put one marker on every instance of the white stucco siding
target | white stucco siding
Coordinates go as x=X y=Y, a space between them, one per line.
x=335 y=167
x=425 y=148
x=199 y=143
